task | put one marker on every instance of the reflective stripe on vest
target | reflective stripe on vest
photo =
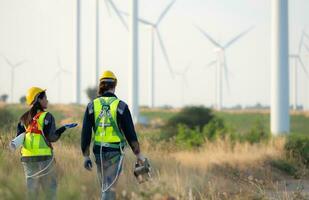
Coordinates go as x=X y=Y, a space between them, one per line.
x=34 y=143
x=106 y=127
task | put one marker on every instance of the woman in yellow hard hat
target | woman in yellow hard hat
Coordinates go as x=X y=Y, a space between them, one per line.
x=38 y=128
x=110 y=120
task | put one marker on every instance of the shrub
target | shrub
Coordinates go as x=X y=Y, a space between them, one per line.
x=4 y=97
x=297 y=147
x=22 y=99
x=257 y=134
x=193 y=117
x=91 y=93
x=189 y=138
x=7 y=119
x=214 y=129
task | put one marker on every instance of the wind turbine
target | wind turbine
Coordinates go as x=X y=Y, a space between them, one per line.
x=297 y=59
x=221 y=62
x=183 y=74
x=154 y=31
x=99 y=33
x=13 y=66
x=57 y=76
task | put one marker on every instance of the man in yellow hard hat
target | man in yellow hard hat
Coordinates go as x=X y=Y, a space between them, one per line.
x=112 y=124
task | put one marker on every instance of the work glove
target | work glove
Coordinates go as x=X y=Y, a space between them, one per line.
x=140 y=158
x=72 y=125
x=87 y=163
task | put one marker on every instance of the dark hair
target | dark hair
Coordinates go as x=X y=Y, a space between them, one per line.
x=105 y=85
x=27 y=117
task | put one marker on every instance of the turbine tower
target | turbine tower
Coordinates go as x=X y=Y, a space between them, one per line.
x=13 y=67
x=78 y=52
x=99 y=32
x=133 y=64
x=57 y=77
x=183 y=75
x=221 y=62
x=297 y=60
x=280 y=119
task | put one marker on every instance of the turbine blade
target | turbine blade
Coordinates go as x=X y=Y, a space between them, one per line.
x=164 y=12
x=208 y=37
x=163 y=49
x=107 y=7
x=307 y=48
x=118 y=14
x=7 y=60
x=19 y=63
x=305 y=34
x=141 y=20
x=303 y=66
x=301 y=42
x=145 y=22
x=210 y=64
x=187 y=67
x=238 y=37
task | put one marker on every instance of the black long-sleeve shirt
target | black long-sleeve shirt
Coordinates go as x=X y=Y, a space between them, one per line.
x=124 y=121
x=50 y=133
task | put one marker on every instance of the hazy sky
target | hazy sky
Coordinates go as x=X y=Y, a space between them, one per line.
x=39 y=31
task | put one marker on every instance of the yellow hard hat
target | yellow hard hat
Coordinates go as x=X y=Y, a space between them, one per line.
x=32 y=93
x=108 y=75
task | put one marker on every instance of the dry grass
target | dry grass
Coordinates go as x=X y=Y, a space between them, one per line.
x=218 y=171
x=224 y=152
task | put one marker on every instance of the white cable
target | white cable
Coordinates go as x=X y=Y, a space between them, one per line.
x=101 y=162
x=38 y=174
x=117 y=175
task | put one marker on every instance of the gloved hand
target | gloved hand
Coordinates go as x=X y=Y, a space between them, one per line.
x=140 y=158
x=72 y=125
x=87 y=163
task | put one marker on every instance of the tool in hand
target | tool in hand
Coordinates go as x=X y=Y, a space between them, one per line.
x=142 y=171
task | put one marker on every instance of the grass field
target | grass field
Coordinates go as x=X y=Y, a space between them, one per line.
x=217 y=170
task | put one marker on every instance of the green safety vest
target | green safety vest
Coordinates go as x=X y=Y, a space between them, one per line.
x=107 y=132
x=35 y=141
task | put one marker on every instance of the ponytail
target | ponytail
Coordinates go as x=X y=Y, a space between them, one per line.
x=27 y=117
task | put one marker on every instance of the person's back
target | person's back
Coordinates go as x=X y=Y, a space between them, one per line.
x=38 y=128
x=110 y=120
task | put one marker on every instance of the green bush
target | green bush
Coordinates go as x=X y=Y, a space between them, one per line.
x=214 y=129
x=189 y=138
x=297 y=147
x=7 y=119
x=257 y=134
x=193 y=117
